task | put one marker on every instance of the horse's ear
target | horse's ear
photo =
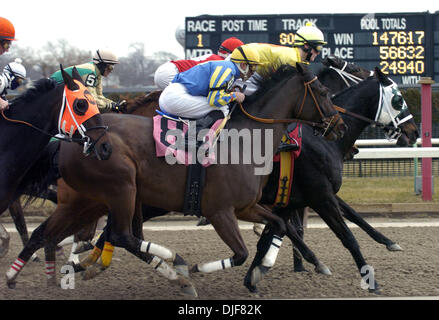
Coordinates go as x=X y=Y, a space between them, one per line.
x=382 y=78
x=331 y=61
x=68 y=80
x=76 y=75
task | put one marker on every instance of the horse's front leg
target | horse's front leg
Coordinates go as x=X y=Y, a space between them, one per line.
x=329 y=211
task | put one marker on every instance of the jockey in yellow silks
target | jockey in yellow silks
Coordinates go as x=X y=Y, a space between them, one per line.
x=308 y=43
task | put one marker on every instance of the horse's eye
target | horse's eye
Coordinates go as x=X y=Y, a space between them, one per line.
x=80 y=106
x=397 y=102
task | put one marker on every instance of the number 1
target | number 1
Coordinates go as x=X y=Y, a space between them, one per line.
x=200 y=40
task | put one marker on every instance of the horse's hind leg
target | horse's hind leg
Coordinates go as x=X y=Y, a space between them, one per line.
x=226 y=226
x=149 y=252
x=17 y=214
x=35 y=242
x=354 y=217
x=296 y=219
x=330 y=213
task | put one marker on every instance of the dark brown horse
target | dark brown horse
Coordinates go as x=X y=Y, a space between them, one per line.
x=138 y=176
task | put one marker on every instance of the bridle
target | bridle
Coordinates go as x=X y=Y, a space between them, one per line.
x=325 y=125
x=346 y=75
x=85 y=140
x=393 y=131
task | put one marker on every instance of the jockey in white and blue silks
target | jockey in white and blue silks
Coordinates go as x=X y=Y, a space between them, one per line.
x=207 y=86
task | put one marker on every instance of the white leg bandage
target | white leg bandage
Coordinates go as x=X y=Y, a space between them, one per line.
x=271 y=255
x=216 y=265
x=157 y=250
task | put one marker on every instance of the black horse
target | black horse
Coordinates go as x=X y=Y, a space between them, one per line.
x=29 y=123
x=318 y=170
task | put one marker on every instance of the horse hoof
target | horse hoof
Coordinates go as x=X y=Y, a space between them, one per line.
x=323 y=270
x=394 y=247
x=258 y=274
x=83 y=248
x=203 y=222
x=92 y=272
x=185 y=286
x=12 y=284
x=251 y=288
x=181 y=266
x=194 y=269
x=77 y=267
x=182 y=270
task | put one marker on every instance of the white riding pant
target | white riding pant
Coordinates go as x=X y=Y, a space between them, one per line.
x=251 y=84
x=165 y=74
x=175 y=100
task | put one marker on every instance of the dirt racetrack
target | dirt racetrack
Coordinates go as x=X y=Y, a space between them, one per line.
x=411 y=272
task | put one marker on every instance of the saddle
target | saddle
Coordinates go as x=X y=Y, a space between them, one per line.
x=180 y=147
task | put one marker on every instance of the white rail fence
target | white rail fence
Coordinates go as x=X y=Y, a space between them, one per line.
x=395 y=152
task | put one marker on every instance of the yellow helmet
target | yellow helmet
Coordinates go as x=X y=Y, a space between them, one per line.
x=310 y=35
x=245 y=54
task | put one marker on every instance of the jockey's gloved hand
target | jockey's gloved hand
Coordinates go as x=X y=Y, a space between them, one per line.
x=119 y=107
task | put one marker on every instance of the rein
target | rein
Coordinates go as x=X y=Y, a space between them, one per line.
x=358 y=116
x=271 y=121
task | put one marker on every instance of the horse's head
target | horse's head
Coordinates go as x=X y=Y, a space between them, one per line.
x=394 y=113
x=80 y=119
x=316 y=104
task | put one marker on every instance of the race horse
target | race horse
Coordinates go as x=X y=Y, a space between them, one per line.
x=35 y=116
x=134 y=175
x=318 y=171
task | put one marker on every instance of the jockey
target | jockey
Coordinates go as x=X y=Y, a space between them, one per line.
x=167 y=71
x=7 y=35
x=206 y=87
x=92 y=73
x=307 y=46
x=12 y=77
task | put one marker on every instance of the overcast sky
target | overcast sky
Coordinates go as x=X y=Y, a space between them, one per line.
x=92 y=24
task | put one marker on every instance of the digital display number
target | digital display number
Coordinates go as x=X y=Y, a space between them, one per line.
x=398 y=38
x=401 y=52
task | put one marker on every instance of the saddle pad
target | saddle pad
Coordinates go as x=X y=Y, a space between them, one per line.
x=166 y=145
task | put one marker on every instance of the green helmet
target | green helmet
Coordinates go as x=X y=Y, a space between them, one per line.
x=311 y=36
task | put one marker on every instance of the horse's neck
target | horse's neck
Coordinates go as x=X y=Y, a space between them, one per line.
x=19 y=138
x=360 y=104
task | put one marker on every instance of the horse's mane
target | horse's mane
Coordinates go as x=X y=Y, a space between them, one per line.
x=284 y=72
x=35 y=89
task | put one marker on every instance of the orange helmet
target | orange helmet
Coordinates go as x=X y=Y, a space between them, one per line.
x=229 y=45
x=7 y=30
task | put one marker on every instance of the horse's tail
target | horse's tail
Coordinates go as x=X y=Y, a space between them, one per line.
x=41 y=175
